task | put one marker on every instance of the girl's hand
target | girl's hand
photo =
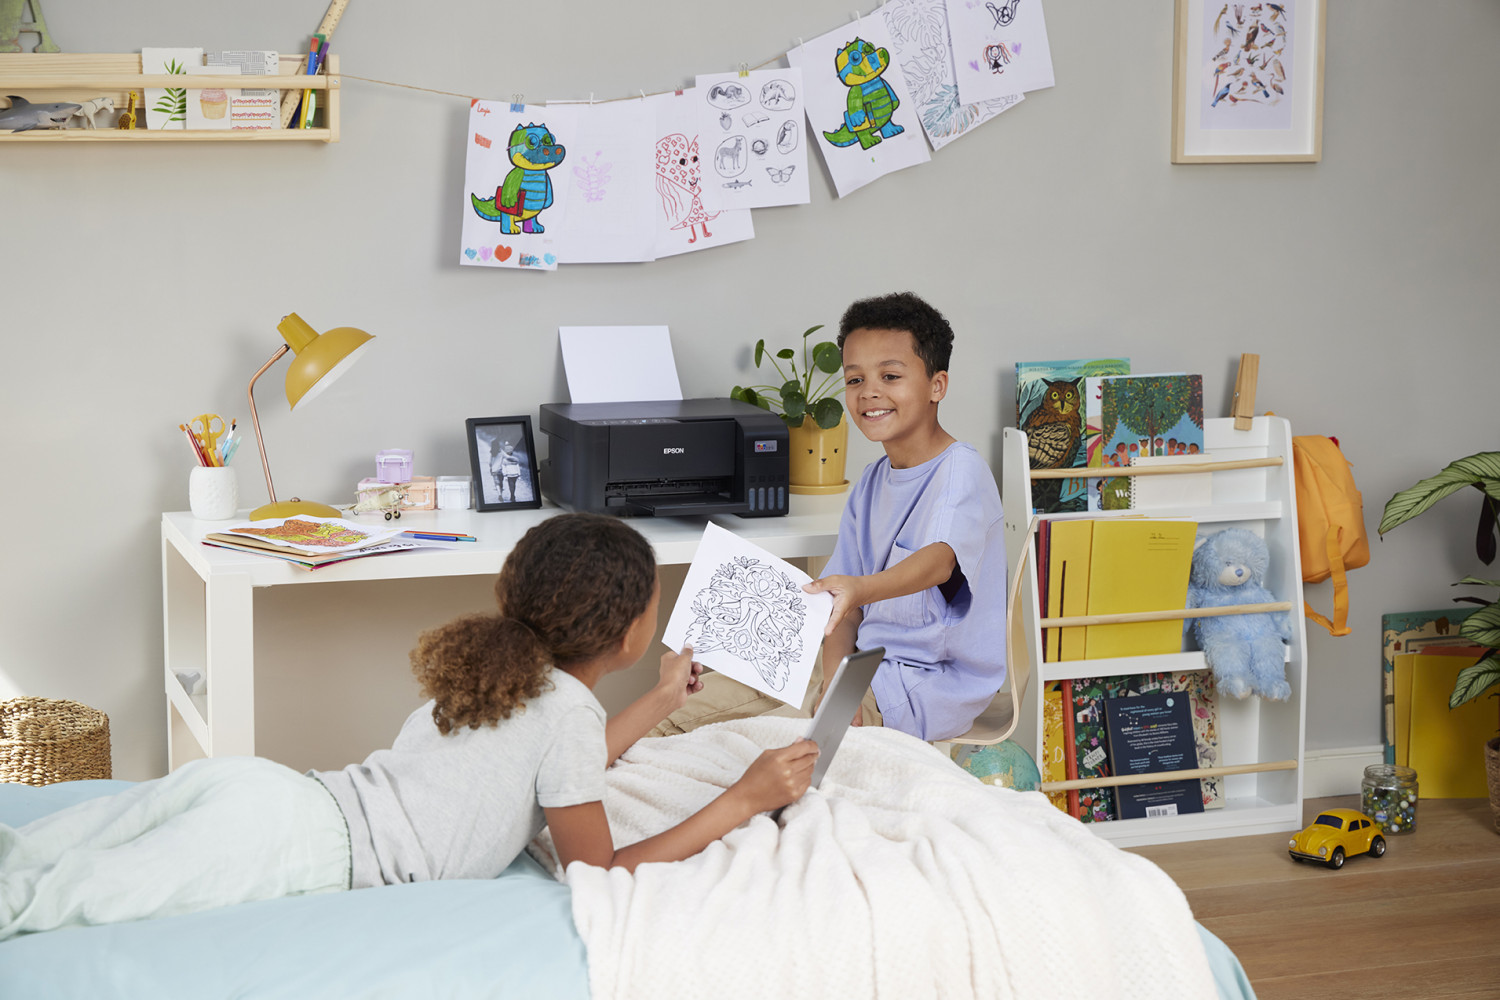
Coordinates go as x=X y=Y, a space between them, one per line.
x=679 y=677
x=778 y=777
x=847 y=596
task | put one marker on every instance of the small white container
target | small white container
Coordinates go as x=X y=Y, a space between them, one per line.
x=213 y=492
x=453 y=493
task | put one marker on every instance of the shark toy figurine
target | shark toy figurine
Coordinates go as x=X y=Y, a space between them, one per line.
x=22 y=115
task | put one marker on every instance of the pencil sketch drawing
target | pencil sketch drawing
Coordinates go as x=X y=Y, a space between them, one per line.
x=753 y=611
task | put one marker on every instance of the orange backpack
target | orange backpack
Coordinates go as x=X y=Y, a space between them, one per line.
x=1330 y=522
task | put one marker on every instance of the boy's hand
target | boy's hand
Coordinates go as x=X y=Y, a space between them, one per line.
x=847 y=594
x=778 y=777
x=679 y=677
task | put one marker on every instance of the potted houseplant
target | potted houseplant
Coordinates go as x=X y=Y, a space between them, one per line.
x=1482 y=472
x=807 y=399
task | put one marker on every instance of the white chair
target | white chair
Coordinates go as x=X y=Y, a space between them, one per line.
x=996 y=723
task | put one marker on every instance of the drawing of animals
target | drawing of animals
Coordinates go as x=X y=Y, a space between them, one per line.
x=89 y=109
x=729 y=158
x=871 y=103
x=678 y=177
x=1053 y=431
x=527 y=189
x=23 y=116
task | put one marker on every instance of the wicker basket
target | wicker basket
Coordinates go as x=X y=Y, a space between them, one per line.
x=43 y=741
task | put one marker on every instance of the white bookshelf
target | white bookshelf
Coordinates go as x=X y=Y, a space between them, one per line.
x=1261 y=739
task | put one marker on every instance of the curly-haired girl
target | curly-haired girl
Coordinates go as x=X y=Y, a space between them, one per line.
x=513 y=738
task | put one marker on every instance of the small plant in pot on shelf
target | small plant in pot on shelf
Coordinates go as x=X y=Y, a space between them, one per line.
x=807 y=398
x=1482 y=472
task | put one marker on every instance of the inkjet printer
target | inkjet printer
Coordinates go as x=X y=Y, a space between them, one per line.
x=666 y=458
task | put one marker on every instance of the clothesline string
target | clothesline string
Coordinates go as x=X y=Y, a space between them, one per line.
x=469 y=97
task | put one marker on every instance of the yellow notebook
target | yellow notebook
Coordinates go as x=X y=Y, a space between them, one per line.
x=1403 y=707
x=1446 y=745
x=1068 y=587
x=1138 y=565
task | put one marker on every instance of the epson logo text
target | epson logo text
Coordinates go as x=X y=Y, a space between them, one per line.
x=674 y=451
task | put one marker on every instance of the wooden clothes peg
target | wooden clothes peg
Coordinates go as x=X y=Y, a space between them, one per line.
x=1243 y=407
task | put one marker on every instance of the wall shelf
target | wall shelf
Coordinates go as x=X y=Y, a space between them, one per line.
x=76 y=77
x=1260 y=742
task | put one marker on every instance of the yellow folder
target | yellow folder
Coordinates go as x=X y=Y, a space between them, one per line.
x=1068 y=587
x=1403 y=707
x=1446 y=745
x=1138 y=565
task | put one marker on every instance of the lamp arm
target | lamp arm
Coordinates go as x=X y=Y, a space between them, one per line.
x=255 y=418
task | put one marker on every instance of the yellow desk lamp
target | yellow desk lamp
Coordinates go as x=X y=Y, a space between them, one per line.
x=319 y=360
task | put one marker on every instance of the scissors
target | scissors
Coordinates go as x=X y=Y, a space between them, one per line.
x=207 y=433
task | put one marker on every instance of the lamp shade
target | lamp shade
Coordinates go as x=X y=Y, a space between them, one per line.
x=319 y=359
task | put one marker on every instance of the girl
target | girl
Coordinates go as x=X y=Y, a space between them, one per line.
x=512 y=738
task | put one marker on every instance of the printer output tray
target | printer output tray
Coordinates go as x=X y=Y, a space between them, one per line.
x=682 y=504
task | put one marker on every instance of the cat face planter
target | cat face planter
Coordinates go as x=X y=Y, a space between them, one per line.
x=817 y=462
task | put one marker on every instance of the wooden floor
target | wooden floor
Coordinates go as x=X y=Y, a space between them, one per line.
x=1422 y=922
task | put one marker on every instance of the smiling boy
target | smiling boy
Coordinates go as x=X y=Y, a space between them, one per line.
x=919 y=567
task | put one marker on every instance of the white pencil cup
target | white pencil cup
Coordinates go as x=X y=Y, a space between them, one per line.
x=213 y=493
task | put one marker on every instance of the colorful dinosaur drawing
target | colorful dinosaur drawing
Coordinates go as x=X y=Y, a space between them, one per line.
x=527 y=188
x=872 y=102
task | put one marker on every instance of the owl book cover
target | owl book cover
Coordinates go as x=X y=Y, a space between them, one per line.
x=1050 y=409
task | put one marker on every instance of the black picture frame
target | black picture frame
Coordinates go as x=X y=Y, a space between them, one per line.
x=493 y=488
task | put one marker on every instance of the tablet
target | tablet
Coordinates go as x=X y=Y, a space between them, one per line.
x=831 y=722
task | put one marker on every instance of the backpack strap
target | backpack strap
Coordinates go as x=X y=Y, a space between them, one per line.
x=1340 y=623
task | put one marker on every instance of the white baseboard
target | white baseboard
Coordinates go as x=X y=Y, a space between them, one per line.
x=1337 y=770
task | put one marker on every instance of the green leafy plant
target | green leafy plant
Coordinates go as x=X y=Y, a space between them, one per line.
x=796 y=396
x=1482 y=472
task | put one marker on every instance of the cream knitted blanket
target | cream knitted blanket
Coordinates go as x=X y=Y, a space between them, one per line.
x=902 y=877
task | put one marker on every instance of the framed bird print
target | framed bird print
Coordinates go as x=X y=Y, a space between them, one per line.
x=1248 y=82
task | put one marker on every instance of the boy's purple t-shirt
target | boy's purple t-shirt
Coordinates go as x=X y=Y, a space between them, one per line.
x=944 y=660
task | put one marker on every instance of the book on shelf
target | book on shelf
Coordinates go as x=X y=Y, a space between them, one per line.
x=1070 y=762
x=1401 y=630
x=1067 y=587
x=307 y=541
x=1145 y=416
x=1054 y=762
x=1138 y=565
x=1085 y=701
x=1148 y=733
x=1050 y=409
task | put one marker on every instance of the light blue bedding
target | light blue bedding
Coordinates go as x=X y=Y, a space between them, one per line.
x=509 y=937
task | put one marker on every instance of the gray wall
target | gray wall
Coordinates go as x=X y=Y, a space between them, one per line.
x=142 y=284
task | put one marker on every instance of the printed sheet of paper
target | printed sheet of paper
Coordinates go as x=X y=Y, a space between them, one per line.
x=999 y=47
x=208 y=107
x=610 y=185
x=919 y=44
x=858 y=110
x=167 y=108
x=250 y=109
x=683 y=222
x=611 y=364
x=513 y=205
x=316 y=535
x=745 y=614
x=756 y=121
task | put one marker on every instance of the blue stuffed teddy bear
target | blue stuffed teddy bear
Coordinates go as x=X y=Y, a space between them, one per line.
x=1245 y=651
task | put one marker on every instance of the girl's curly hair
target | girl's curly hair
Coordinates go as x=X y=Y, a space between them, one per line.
x=569 y=590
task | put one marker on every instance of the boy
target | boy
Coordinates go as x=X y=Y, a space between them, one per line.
x=919 y=567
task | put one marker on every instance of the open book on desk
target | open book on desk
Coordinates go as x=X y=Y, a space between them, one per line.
x=307 y=541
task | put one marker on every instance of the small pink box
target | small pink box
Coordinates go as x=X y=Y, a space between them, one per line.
x=393 y=465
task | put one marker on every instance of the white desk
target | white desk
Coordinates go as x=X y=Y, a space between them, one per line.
x=208 y=604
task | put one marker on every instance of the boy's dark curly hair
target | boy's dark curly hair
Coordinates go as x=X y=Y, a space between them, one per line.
x=903 y=311
x=569 y=591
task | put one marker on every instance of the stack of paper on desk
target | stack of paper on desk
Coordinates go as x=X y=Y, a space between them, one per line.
x=308 y=541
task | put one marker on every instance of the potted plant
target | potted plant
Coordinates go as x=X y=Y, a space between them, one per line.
x=813 y=412
x=1481 y=471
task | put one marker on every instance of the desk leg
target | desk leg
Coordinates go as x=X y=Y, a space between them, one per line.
x=229 y=617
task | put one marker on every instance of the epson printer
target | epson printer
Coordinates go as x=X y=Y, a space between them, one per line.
x=667 y=457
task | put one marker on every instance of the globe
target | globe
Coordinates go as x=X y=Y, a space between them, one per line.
x=1005 y=764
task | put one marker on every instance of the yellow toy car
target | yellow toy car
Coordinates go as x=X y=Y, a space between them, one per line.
x=1336 y=834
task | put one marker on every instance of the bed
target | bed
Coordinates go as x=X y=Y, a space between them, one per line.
x=899 y=844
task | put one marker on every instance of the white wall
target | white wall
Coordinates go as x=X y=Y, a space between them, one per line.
x=142 y=284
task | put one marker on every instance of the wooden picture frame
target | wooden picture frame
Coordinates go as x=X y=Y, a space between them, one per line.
x=1240 y=98
x=503 y=483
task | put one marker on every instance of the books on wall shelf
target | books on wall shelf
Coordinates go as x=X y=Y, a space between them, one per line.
x=1050 y=408
x=1140 y=420
x=308 y=542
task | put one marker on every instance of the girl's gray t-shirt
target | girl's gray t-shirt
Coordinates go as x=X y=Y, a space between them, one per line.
x=466 y=804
